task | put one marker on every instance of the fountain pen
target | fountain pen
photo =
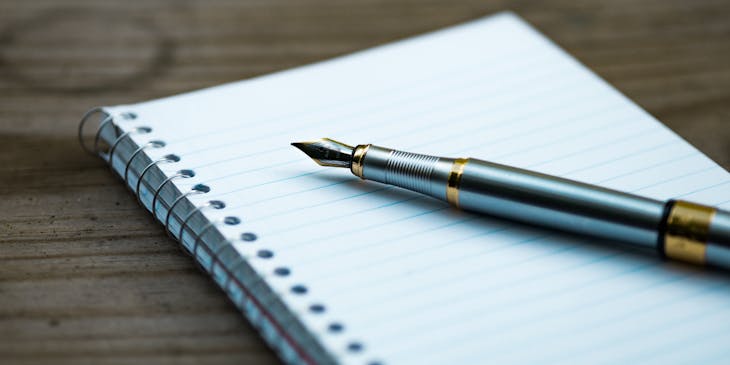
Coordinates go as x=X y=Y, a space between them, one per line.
x=676 y=229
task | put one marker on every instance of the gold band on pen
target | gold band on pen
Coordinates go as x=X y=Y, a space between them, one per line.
x=454 y=181
x=357 y=157
x=687 y=229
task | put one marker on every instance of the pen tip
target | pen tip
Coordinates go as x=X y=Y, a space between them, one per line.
x=327 y=152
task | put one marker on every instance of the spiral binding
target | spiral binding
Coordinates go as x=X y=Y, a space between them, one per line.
x=164 y=159
x=110 y=154
x=214 y=255
x=152 y=144
x=185 y=174
x=197 y=189
x=196 y=242
x=215 y=204
x=102 y=124
x=274 y=332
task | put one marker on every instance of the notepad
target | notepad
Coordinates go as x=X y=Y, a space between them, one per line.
x=333 y=269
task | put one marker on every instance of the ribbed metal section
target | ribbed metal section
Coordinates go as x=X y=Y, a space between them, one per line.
x=410 y=170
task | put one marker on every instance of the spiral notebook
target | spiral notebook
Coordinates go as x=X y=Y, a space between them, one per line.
x=333 y=269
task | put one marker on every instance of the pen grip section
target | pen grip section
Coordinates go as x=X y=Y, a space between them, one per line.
x=416 y=172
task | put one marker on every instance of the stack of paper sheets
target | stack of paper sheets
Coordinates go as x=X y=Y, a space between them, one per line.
x=352 y=271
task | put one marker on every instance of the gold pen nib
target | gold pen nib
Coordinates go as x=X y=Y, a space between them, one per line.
x=327 y=152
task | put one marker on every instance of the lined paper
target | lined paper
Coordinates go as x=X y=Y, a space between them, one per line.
x=412 y=280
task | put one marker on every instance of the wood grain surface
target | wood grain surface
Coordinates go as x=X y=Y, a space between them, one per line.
x=86 y=276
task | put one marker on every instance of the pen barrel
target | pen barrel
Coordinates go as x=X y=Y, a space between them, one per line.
x=559 y=203
x=679 y=230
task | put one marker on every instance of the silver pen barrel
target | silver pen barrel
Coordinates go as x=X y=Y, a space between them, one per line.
x=676 y=229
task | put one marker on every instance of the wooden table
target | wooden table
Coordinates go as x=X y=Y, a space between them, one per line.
x=86 y=276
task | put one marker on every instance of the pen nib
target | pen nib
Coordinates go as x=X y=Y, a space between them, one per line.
x=327 y=152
